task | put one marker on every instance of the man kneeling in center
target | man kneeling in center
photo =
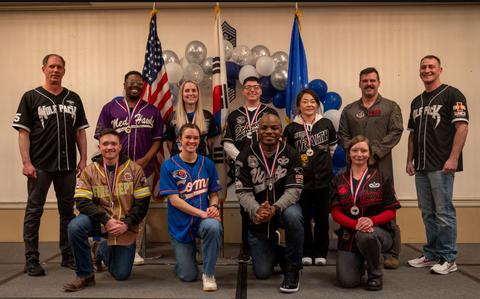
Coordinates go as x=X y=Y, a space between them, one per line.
x=111 y=192
x=269 y=180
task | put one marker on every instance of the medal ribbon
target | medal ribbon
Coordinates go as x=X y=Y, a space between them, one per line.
x=359 y=185
x=111 y=187
x=270 y=171
x=249 y=123
x=193 y=120
x=130 y=115
x=306 y=133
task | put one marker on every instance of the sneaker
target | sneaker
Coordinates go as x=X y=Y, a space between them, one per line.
x=244 y=255
x=34 y=269
x=307 y=261
x=444 y=267
x=138 y=260
x=79 y=283
x=391 y=263
x=374 y=284
x=421 y=262
x=291 y=281
x=209 y=283
x=320 y=261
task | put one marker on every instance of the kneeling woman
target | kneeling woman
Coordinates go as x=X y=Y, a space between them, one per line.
x=363 y=202
x=190 y=182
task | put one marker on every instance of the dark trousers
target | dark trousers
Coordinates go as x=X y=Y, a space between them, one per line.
x=315 y=206
x=245 y=248
x=64 y=185
x=397 y=241
x=351 y=265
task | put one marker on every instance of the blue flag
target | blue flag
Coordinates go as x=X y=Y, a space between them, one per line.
x=297 y=70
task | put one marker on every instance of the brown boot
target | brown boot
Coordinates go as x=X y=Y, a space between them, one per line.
x=79 y=283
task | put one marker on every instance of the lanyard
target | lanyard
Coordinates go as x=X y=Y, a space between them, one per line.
x=270 y=171
x=193 y=120
x=131 y=114
x=250 y=122
x=306 y=133
x=111 y=187
x=359 y=185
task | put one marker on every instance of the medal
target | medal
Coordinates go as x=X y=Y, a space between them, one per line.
x=270 y=171
x=310 y=152
x=128 y=130
x=111 y=185
x=252 y=121
x=354 y=210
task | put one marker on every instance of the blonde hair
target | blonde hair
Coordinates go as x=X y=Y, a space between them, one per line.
x=181 y=115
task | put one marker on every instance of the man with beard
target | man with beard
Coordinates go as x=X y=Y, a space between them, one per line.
x=380 y=120
x=269 y=180
x=139 y=126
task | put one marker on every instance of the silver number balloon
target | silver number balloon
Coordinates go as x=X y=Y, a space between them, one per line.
x=280 y=59
x=170 y=56
x=279 y=78
x=195 y=52
x=207 y=65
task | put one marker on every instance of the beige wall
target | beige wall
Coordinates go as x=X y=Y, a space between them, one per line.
x=100 y=46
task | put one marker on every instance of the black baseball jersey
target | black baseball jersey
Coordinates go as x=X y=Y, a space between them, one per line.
x=53 y=122
x=432 y=118
x=237 y=126
x=317 y=168
x=252 y=176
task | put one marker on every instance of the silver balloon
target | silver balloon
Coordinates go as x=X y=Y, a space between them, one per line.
x=228 y=49
x=279 y=78
x=195 y=52
x=241 y=55
x=193 y=72
x=184 y=63
x=207 y=65
x=206 y=85
x=170 y=56
x=259 y=51
x=280 y=59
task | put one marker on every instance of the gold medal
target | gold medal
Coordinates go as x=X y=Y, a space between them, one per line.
x=128 y=130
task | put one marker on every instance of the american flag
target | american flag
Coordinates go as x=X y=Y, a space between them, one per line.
x=156 y=90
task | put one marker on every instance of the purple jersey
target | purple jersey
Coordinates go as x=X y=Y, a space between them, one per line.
x=138 y=127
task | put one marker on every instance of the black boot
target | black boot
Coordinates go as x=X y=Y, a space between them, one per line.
x=291 y=279
x=374 y=284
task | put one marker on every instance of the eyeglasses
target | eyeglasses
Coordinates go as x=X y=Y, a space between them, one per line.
x=251 y=87
x=131 y=83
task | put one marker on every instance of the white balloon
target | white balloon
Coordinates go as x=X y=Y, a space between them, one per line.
x=193 y=72
x=169 y=57
x=247 y=71
x=228 y=49
x=265 y=65
x=280 y=59
x=241 y=55
x=334 y=116
x=184 y=62
x=206 y=85
x=195 y=52
x=174 y=72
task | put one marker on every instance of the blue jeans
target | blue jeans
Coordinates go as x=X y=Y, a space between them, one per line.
x=263 y=250
x=119 y=259
x=210 y=231
x=434 y=192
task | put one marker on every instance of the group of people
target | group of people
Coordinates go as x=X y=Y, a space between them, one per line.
x=283 y=179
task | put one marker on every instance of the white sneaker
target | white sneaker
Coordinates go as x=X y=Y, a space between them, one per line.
x=209 y=283
x=138 y=260
x=307 y=261
x=444 y=267
x=320 y=261
x=421 y=262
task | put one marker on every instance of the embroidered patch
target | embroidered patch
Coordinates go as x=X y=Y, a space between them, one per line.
x=240 y=120
x=252 y=161
x=374 y=185
x=180 y=174
x=342 y=190
x=127 y=176
x=283 y=161
x=360 y=114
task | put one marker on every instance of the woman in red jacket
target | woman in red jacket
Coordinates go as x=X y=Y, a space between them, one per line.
x=363 y=202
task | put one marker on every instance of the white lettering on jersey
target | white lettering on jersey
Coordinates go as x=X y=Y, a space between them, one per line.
x=431 y=111
x=44 y=112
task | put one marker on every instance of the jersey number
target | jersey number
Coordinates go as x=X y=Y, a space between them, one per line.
x=17 y=117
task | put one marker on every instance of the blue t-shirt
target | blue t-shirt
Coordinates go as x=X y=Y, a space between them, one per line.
x=192 y=184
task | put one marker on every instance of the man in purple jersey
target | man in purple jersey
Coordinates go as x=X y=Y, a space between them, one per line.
x=139 y=126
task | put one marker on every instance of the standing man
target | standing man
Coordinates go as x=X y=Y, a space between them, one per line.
x=380 y=120
x=269 y=180
x=51 y=123
x=438 y=127
x=139 y=125
x=240 y=133
x=111 y=192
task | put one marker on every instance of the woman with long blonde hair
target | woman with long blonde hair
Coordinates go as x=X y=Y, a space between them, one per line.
x=189 y=109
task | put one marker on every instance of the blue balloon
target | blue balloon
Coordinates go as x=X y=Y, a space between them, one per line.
x=279 y=99
x=233 y=70
x=332 y=101
x=268 y=91
x=339 y=160
x=320 y=87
